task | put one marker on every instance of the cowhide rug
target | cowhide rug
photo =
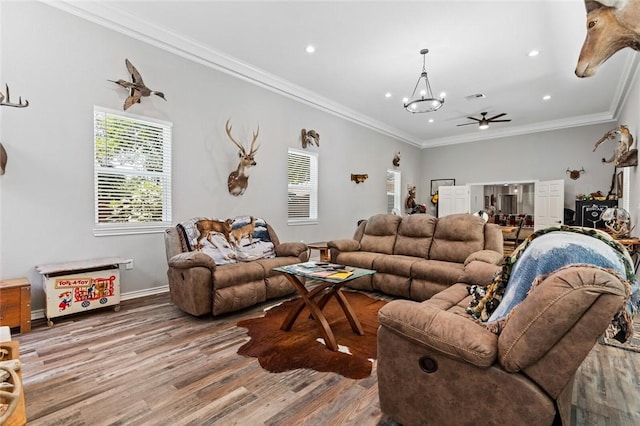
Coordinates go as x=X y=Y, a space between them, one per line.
x=303 y=346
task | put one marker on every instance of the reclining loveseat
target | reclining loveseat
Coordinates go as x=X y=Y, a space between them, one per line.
x=215 y=273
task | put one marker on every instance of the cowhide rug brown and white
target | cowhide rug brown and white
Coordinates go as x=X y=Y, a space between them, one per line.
x=303 y=347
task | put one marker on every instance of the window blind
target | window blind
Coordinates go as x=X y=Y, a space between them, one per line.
x=302 y=186
x=393 y=191
x=132 y=172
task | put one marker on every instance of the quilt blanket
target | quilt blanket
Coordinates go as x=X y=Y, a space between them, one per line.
x=245 y=240
x=549 y=250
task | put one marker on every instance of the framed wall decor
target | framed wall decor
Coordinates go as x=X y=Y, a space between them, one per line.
x=437 y=183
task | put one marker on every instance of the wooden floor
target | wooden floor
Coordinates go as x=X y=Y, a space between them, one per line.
x=151 y=364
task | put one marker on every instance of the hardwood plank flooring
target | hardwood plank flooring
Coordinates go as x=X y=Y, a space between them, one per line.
x=152 y=364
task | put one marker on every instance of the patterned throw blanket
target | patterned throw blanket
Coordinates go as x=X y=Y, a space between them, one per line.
x=248 y=239
x=545 y=252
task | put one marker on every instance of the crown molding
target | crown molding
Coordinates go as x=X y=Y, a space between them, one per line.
x=108 y=16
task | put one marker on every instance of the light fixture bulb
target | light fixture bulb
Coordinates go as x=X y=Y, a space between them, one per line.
x=483 y=126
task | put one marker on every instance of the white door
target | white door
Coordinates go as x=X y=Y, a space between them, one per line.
x=549 y=205
x=453 y=199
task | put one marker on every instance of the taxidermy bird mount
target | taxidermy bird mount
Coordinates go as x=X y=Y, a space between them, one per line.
x=136 y=87
x=396 y=159
x=8 y=101
x=622 y=156
x=309 y=137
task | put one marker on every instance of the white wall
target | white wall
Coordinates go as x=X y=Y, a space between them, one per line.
x=630 y=116
x=536 y=156
x=61 y=63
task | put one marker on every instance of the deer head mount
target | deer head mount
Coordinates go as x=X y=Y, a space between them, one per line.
x=359 y=178
x=239 y=178
x=396 y=159
x=8 y=100
x=309 y=137
x=575 y=174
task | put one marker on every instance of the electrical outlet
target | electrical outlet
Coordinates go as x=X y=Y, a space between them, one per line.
x=129 y=264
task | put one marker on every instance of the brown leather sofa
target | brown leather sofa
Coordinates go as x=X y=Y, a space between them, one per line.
x=417 y=256
x=198 y=286
x=438 y=366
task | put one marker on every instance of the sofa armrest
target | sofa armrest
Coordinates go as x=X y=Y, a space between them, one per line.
x=489 y=256
x=344 y=245
x=451 y=334
x=192 y=259
x=291 y=249
x=479 y=273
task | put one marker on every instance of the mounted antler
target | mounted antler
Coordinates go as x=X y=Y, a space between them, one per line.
x=8 y=101
x=575 y=174
x=239 y=178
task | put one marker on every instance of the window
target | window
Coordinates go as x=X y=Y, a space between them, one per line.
x=393 y=191
x=132 y=173
x=302 y=187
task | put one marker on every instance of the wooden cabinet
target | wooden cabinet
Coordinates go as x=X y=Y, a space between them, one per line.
x=15 y=303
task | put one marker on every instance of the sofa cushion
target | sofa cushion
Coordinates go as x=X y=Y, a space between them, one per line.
x=414 y=235
x=437 y=271
x=380 y=233
x=456 y=237
x=232 y=274
x=394 y=264
x=359 y=259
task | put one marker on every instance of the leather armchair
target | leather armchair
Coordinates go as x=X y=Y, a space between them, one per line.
x=436 y=365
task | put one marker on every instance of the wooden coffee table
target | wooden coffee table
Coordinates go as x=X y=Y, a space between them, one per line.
x=316 y=298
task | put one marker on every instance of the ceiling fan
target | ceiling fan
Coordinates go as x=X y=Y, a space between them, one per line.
x=483 y=123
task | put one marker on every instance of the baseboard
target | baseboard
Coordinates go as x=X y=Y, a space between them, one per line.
x=39 y=313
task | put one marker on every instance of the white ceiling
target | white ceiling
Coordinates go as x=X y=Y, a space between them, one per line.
x=366 y=49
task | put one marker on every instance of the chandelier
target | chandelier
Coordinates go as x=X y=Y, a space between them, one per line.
x=424 y=101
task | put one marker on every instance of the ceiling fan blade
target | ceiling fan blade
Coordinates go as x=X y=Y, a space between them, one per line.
x=496 y=116
x=465 y=124
x=499 y=121
x=473 y=118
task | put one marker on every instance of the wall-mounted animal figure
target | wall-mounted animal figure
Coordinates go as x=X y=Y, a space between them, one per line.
x=309 y=137
x=611 y=26
x=575 y=174
x=137 y=88
x=410 y=203
x=396 y=159
x=206 y=227
x=247 y=230
x=622 y=156
x=359 y=178
x=239 y=178
x=8 y=102
x=3 y=159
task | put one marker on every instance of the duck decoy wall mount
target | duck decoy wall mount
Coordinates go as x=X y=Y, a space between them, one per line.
x=137 y=88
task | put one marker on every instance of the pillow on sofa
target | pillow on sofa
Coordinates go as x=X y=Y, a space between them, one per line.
x=240 y=248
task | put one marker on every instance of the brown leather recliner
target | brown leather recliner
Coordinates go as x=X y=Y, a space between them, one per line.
x=437 y=366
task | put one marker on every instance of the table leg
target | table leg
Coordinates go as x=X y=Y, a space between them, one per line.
x=307 y=299
x=348 y=312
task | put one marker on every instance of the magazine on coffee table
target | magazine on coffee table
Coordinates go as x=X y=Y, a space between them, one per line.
x=320 y=270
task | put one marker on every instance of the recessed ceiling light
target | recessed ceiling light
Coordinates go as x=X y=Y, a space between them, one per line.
x=533 y=53
x=310 y=48
x=546 y=97
x=387 y=95
x=431 y=120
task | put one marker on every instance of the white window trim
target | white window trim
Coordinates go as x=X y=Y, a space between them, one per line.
x=397 y=191
x=108 y=229
x=306 y=221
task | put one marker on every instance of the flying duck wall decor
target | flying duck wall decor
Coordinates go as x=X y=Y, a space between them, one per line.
x=137 y=88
